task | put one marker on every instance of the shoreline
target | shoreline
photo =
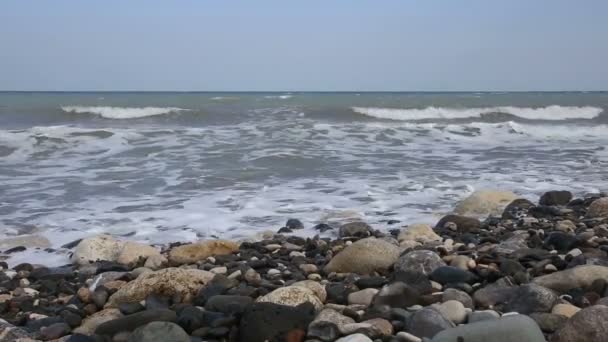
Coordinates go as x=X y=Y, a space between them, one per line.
x=545 y=261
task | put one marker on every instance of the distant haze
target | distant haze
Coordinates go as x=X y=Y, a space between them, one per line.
x=320 y=45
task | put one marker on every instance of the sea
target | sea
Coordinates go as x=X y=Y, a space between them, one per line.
x=162 y=167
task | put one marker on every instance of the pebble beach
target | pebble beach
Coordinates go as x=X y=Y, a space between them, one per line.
x=497 y=268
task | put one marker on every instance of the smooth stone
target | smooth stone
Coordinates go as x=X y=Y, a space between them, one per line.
x=598 y=208
x=327 y=325
x=577 y=277
x=407 y=337
x=427 y=323
x=461 y=296
x=292 y=296
x=396 y=295
x=548 y=322
x=91 y=323
x=105 y=277
x=314 y=286
x=133 y=321
x=294 y=224
x=354 y=338
x=166 y=282
x=495 y=293
x=228 y=304
x=464 y=224
x=482 y=315
x=364 y=257
x=516 y=242
x=191 y=253
x=556 y=197
x=419 y=232
x=10 y=333
x=531 y=298
x=130 y=308
x=448 y=274
x=517 y=328
x=101 y=247
x=484 y=203
x=263 y=321
x=461 y=261
x=587 y=325
x=359 y=229
x=159 y=332
x=54 y=331
x=565 y=226
x=422 y=261
x=567 y=310
x=363 y=297
x=452 y=310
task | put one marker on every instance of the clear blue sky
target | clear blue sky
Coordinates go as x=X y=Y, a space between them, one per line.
x=303 y=45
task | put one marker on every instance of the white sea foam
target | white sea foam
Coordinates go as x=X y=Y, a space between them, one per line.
x=541 y=113
x=122 y=112
x=282 y=97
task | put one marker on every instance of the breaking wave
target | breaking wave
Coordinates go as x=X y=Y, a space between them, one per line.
x=542 y=113
x=121 y=112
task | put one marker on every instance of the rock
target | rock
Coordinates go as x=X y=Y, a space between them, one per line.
x=252 y=277
x=407 y=337
x=363 y=297
x=359 y=229
x=464 y=224
x=364 y=257
x=599 y=208
x=101 y=247
x=587 y=325
x=91 y=323
x=29 y=241
x=556 y=197
x=427 y=323
x=565 y=226
x=567 y=310
x=495 y=293
x=159 y=332
x=166 y=282
x=375 y=328
x=294 y=224
x=354 y=338
x=156 y=262
x=461 y=296
x=448 y=274
x=421 y=261
x=292 y=296
x=396 y=295
x=517 y=328
x=452 y=310
x=531 y=298
x=419 y=232
x=517 y=209
x=54 y=331
x=228 y=304
x=133 y=321
x=461 y=261
x=264 y=321
x=327 y=325
x=482 y=315
x=580 y=276
x=10 y=333
x=484 y=203
x=548 y=322
x=132 y=252
x=513 y=243
x=191 y=253
x=318 y=289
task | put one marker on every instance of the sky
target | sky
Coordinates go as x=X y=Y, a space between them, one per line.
x=308 y=45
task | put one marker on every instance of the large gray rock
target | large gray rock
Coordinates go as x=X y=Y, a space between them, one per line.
x=556 y=197
x=422 y=261
x=484 y=203
x=159 y=332
x=464 y=224
x=495 y=293
x=531 y=298
x=364 y=257
x=360 y=229
x=427 y=323
x=580 y=276
x=598 y=208
x=587 y=325
x=517 y=328
x=328 y=324
x=9 y=332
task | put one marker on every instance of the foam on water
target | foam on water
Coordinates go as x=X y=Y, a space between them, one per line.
x=542 y=113
x=121 y=112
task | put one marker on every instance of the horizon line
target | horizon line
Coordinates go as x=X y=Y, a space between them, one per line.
x=303 y=91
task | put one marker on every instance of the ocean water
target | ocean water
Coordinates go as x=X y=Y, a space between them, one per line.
x=163 y=167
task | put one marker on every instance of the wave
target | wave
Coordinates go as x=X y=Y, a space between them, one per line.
x=541 y=113
x=224 y=98
x=121 y=112
x=282 y=97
